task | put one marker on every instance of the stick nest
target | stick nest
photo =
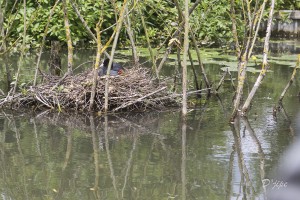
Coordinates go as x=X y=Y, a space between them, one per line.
x=135 y=90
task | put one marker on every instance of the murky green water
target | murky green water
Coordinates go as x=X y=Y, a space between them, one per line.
x=150 y=155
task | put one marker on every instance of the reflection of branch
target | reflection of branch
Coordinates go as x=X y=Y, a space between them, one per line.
x=96 y=157
x=22 y=157
x=204 y=108
x=287 y=118
x=150 y=152
x=183 y=159
x=129 y=163
x=69 y=148
x=36 y=138
x=221 y=104
x=66 y=162
x=238 y=147
x=260 y=150
x=112 y=175
x=229 y=179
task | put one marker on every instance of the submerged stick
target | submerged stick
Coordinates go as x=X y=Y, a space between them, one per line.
x=290 y=81
x=222 y=79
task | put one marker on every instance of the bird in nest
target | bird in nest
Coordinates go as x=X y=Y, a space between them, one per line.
x=116 y=68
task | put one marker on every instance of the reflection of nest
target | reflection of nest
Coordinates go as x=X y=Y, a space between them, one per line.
x=118 y=125
x=133 y=90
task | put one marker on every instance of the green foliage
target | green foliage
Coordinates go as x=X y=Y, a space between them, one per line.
x=287 y=5
x=210 y=21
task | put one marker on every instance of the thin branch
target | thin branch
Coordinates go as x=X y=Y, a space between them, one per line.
x=43 y=43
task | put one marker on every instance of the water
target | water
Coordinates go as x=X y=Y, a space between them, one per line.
x=150 y=155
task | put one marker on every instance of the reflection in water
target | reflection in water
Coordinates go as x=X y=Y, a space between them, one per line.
x=155 y=155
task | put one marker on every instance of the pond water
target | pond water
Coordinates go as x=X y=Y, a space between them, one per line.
x=150 y=155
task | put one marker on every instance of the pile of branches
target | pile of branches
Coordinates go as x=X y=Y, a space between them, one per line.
x=135 y=90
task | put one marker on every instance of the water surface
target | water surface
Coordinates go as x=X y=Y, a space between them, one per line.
x=150 y=155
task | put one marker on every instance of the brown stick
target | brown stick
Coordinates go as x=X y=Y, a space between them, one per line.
x=154 y=67
x=43 y=43
x=194 y=71
x=234 y=30
x=118 y=29
x=222 y=80
x=185 y=57
x=97 y=63
x=68 y=37
x=20 y=62
x=232 y=83
x=131 y=37
x=200 y=61
x=290 y=81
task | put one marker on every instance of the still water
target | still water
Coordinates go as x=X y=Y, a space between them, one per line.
x=150 y=155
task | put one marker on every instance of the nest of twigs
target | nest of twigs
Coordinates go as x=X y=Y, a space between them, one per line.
x=134 y=90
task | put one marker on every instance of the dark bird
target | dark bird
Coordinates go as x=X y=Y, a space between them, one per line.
x=116 y=68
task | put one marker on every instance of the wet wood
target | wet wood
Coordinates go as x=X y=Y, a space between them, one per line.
x=290 y=81
x=68 y=38
x=55 y=59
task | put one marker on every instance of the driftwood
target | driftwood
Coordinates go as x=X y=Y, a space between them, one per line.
x=132 y=91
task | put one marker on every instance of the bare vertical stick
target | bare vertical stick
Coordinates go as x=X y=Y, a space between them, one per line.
x=97 y=63
x=43 y=43
x=131 y=37
x=68 y=37
x=185 y=54
x=118 y=29
x=23 y=48
x=196 y=48
x=194 y=71
x=265 y=65
x=290 y=81
x=154 y=67
x=222 y=79
x=234 y=29
x=200 y=62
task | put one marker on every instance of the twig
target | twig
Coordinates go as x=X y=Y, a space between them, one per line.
x=139 y=99
x=222 y=80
